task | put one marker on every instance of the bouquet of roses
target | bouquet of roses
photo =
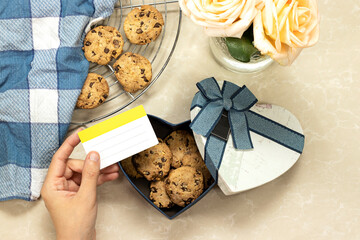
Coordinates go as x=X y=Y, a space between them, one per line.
x=278 y=28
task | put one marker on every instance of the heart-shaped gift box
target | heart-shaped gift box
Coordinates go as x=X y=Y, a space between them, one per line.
x=162 y=129
x=243 y=144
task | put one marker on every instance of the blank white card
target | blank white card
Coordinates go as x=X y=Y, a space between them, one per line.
x=119 y=137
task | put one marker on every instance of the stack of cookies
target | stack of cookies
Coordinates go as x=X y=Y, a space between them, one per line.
x=102 y=44
x=174 y=168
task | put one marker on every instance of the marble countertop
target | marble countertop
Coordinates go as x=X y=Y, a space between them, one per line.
x=318 y=198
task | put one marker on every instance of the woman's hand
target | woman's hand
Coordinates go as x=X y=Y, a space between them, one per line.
x=69 y=191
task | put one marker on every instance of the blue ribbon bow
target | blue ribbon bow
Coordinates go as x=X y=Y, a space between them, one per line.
x=237 y=101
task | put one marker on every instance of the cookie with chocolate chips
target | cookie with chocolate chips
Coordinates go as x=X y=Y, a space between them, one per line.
x=94 y=92
x=133 y=71
x=153 y=163
x=129 y=168
x=159 y=196
x=180 y=143
x=184 y=185
x=195 y=160
x=143 y=25
x=102 y=44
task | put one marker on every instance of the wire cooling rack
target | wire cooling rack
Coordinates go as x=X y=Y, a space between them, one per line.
x=158 y=52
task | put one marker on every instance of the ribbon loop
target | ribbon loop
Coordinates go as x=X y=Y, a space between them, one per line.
x=243 y=99
x=210 y=89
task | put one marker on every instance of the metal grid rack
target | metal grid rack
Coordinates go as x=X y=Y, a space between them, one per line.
x=158 y=52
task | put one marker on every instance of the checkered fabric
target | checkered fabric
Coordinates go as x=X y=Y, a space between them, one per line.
x=42 y=70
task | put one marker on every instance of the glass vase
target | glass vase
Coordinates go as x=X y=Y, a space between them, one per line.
x=222 y=56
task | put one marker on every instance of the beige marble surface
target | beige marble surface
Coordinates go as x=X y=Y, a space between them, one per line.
x=318 y=198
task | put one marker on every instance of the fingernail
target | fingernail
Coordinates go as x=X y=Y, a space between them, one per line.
x=94 y=157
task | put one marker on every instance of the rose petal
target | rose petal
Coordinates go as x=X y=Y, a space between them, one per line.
x=229 y=18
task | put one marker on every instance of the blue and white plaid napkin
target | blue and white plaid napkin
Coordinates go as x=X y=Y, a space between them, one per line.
x=42 y=70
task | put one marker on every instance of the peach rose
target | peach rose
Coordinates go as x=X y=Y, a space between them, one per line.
x=222 y=18
x=285 y=27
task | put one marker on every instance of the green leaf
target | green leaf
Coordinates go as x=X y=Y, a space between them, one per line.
x=240 y=48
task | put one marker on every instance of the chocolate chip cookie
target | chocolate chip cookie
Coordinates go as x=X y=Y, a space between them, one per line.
x=143 y=25
x=195 y=160
x=133 y=71
x=159 y=196
x=180 y=143
x=153 y=163
x=184 y=185
x=129 y=168
x=102 y=44
x=94 y=92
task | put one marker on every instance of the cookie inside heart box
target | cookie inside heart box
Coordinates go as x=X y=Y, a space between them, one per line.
x=241 y=170
x=162 y=129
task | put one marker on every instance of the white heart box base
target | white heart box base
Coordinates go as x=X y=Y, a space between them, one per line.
x=242 y=170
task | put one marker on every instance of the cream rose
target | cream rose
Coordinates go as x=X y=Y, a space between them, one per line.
x=285 y=27
x=222 y=18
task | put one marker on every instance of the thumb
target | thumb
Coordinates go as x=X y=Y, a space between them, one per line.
x=90 y=175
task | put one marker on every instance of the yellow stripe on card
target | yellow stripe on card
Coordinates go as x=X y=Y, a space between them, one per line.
x=112 y=123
